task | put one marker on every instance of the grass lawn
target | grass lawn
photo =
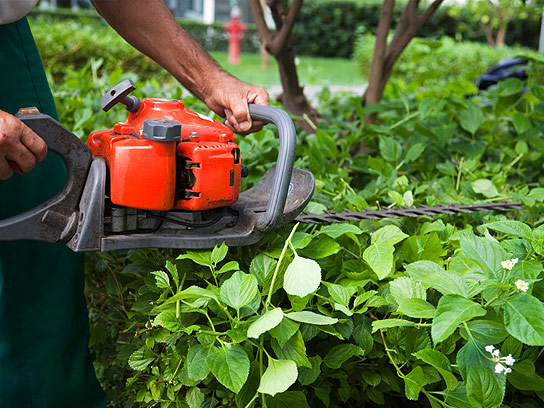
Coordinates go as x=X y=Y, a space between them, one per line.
x=311 y=70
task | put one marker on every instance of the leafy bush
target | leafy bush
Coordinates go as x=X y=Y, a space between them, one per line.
x=389 y=313
x=374 y=312
x=331 y=27
x=428 y=64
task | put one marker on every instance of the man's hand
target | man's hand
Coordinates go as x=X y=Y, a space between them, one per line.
x=151 y=28
x=19 y=144
x=230 y=98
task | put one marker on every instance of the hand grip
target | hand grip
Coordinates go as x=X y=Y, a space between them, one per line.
x=285 y=162
x=56 y=219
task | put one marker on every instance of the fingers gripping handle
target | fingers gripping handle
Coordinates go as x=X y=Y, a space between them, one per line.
x=284 y=167
x=56 y=219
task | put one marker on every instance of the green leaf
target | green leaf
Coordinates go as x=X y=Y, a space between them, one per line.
x=230 y=366
x=239 y=290
x=405 y=288
x=509 y=87
x=441 y=363
x=306 y=375
x=197 y=366
x=483 y=388
x=311 y=318
x=524 y=378
x=390 y=149
x=390 y=234
x=321 y=247
x=190 y=293
x=416 y=308
x=173 y=269
x=511 y=227
x=473 y=354
x=379 y=257
x=524 y=319
x=471 y=118
x=521 y=123
x=284 y=331
x=199 y=257
x=336 y=230
x=278 y=377
x=262 y=266
x=485 y=331
x=487 y=254
x=388 y=323
x=294 y=349
x=168 y=320
x=414 y=152
x=219 y=253
x=194 y=397
x=162 y=279
x=341 y=353
x=302 y=277
x=264 y=323
x=432 y=275
x=413 y=383
x=140 y=359
x=452 y=310
x=288 y=399
x=229 y=267
x=485 y=187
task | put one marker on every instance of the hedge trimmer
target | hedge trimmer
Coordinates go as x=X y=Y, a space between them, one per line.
x=169 y=177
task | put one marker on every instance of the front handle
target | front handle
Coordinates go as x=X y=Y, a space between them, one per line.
x=56 y=219
x=284 y=167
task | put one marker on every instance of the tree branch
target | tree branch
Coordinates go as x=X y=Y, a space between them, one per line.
x=258 y=15
x=283 y=35
x=376 y=67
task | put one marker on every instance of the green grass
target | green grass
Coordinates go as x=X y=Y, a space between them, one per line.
x=311 y=70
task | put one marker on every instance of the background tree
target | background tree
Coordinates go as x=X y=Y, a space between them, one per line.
x=279 y=44
x=385 y=55
x=493 y=16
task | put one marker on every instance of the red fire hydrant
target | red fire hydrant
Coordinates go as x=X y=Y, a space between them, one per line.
x=235 y=32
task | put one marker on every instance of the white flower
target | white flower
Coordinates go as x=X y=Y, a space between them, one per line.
x=509 y=263
x=499 y=368
x=507 y=371
x=508 y=360
x=496 y=353
x=489 y=348
x=522 y=285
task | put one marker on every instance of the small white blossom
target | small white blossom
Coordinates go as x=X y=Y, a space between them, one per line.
x=507 y=371
x=522 y=285
x=496 y=353
x=499 y=368
x=508 y=360
x=509 y=263
x=489 y=348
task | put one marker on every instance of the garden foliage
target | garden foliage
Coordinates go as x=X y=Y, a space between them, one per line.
x=440 y=312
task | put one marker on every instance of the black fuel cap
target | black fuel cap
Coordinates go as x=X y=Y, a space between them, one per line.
x=162 y=130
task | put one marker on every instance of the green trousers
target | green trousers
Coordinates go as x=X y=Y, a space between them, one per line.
x=44 y=330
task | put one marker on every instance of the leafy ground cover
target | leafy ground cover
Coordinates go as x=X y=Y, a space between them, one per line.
x=440 y=312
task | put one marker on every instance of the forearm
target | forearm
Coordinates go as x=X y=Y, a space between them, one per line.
x=150 y=27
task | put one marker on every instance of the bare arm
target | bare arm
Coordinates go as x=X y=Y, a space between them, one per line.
x=150 y=27
x=19 y=144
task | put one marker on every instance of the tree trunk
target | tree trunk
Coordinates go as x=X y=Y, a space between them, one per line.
x=372 y=93
x=279 y=44
x=407 y=28
x=501 y=36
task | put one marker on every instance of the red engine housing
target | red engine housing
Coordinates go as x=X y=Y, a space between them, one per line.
x=201 y=171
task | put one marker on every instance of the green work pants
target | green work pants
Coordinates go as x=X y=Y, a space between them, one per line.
x=44 y=329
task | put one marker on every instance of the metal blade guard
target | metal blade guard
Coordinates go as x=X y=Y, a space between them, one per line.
x=84 y=220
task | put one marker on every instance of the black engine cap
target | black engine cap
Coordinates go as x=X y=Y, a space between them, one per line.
x=162 y=130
